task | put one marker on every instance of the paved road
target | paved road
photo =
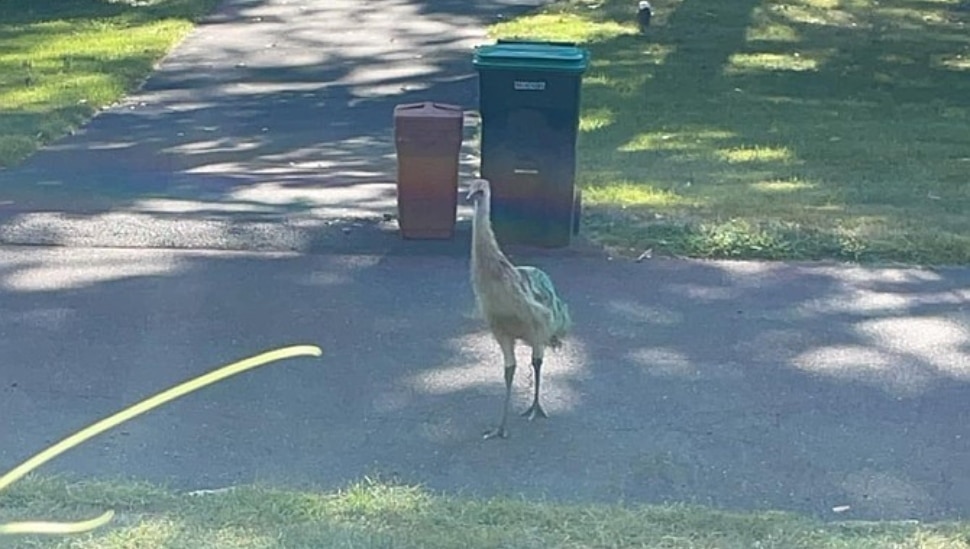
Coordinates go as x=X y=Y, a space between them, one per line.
x=742 y=385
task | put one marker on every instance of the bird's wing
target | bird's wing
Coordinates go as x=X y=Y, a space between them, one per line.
x=542 y=290
x=539 y=285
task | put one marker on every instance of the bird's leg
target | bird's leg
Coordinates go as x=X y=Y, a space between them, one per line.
x=536 y=409
x=508 y=350
x=500 y=431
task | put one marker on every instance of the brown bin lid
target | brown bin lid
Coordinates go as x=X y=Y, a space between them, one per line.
x=427 y=109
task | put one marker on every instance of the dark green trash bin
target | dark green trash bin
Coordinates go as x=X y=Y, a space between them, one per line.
x=529 y=98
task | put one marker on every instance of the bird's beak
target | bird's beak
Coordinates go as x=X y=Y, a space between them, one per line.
x=473 y=194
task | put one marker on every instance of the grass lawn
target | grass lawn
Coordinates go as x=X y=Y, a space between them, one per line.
x=373 y=514
x=62 y=60
x=771 y=129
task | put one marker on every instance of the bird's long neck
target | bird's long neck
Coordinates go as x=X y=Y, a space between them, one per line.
x=484 y=246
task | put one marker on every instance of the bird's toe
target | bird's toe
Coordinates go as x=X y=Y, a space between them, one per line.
x=534 y=411
x=498 y=432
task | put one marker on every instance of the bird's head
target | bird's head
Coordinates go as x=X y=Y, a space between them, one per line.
x=478 y=189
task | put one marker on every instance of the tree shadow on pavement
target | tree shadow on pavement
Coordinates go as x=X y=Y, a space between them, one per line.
x=274 y=109
x=736 y=385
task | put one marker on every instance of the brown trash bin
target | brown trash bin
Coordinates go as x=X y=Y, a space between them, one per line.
x=428 y=138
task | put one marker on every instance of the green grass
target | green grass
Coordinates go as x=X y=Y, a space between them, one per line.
x=795 y=129
x=62 y=60
x=375 y=514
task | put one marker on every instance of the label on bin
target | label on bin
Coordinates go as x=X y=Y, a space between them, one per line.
x=526 y=85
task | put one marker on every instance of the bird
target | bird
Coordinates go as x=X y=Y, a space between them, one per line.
x=644 y=13
x=519 y=303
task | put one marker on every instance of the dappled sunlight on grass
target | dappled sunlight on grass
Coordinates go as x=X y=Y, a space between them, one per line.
x=815 y=12
x=375 y=498
x=374 y=513
x=60 y=64
x=595 y=119
x=561 y=27
x=755 y=154
x=958 y=62
x=751 y=62
x=82 y=89
x=633 y=194
x=736 y=198
x=628 y=86
x=675 y=141
x=765 y=30
x=830 y=128
x=149 y=532
x=781 y=186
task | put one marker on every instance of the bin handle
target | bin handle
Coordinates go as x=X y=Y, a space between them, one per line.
x=525 y=164
x=426 y=104
x=535 y=42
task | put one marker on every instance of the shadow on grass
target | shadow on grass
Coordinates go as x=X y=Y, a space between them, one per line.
x=47 y=12
x=840 y=131
x=60 y=62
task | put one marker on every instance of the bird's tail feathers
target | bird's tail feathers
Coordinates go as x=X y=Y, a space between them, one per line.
x=563 y=323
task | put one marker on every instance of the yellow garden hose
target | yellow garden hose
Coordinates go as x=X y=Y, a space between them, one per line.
x=118 y=418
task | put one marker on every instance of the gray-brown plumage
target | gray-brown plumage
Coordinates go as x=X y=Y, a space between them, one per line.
x=518 y=303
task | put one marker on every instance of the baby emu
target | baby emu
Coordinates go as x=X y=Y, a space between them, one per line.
x=519 y=303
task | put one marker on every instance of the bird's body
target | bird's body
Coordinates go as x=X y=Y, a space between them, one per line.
x=644 y=14
x=518 y=303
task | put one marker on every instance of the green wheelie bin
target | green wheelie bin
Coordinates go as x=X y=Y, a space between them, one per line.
x=529 y=102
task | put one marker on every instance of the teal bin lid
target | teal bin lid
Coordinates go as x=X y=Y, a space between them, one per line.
x=532 y=55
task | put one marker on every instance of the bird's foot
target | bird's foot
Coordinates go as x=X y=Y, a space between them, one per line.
x=498 y=432
x=534 y=411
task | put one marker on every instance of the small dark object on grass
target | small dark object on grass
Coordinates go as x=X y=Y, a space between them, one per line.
x=644 y=13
